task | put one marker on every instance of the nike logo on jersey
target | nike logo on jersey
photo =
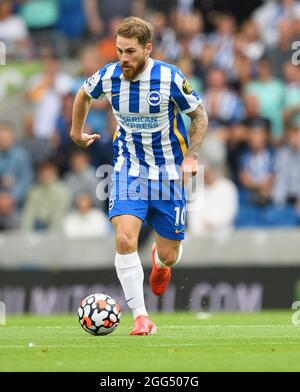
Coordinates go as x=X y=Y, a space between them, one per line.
x=178 y=231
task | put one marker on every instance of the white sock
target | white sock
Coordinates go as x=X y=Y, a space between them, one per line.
x=131 y=276
x=161 y=264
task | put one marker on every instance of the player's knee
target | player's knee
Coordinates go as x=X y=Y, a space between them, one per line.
x=126 y=243
x=168 y=256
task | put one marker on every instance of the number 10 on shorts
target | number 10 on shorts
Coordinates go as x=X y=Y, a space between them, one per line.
x=179 y=216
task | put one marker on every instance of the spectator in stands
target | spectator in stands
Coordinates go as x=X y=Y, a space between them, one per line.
x=107 y=45
x=249 y=42
x=296 y=26
x=268 y=16
x=214 y=149
x=205 y=63
x=13 y=31
x=252 y=112
x=292 y=94
x=61 y=142
x=287 y=169
x=236 y=147
x=72 y=21
x=48 y=201
x=41 y=17
x=165 y=45
x=15 y=165
x=241 y=73
x=223 y=105
x=283 y=52
x=45 y=90
x=36 y=147
x=100 y=12
x=81 y=178
x=256 y=172
x=222 y=40
x=190 y=28
x=86 y=221
x=164 y=6
x=9 y=216
x=263 y=88
x=216 y=212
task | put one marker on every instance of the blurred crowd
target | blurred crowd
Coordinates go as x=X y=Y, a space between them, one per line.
x=246 y=70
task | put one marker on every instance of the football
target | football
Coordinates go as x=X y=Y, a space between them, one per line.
x=99 y=314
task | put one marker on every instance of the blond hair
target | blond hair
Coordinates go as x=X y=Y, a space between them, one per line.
x=136 y=27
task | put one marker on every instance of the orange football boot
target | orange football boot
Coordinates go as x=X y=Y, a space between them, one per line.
x=160 y=276
x=143 y=326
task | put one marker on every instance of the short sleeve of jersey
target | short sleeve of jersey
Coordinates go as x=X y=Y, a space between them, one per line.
x=93 y=85
x=182 y=93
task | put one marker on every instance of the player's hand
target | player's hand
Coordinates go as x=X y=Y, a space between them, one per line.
x=189 y=168
x=84 y=140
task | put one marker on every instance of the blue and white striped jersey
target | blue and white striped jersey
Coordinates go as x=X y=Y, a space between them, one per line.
x=151 y=137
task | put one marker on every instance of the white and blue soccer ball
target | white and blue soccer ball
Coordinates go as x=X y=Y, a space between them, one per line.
x=99 y=314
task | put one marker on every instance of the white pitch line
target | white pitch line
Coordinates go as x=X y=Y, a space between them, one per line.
x=176 y=345
x=205 y=337
x=220 y=344
x=46 y=346
x=167 y=326
x=36 y=327
x=227 y=326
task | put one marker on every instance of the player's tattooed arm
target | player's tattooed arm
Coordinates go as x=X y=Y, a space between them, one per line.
x=81 y=108
x=189 y=166
x=197 y=130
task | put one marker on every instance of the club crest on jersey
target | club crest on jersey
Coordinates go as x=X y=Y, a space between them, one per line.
x=154 y=98
x=186 y=87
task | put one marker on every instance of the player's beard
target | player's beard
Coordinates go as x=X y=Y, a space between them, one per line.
x=132 y=72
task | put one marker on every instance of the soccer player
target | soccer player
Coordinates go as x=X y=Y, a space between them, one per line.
x=150 y=146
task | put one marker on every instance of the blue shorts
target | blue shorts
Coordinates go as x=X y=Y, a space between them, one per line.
x=160 y=202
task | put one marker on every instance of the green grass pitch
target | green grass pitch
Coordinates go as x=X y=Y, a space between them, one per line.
x=264 y=341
